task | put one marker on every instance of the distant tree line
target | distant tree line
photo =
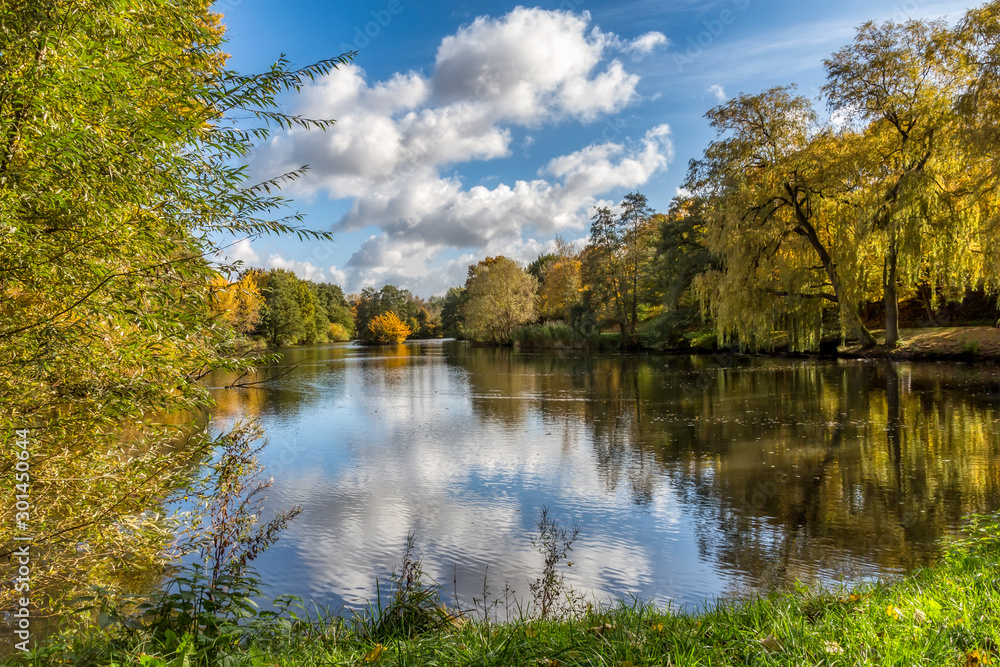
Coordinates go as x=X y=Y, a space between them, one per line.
x=280 y=308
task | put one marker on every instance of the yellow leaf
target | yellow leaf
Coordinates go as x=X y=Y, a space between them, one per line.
x=977 y=657
x=894 y=612
x=771 y=643
x=601 y=629
x=373 y=654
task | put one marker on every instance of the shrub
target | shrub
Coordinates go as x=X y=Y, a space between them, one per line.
x=388 y=329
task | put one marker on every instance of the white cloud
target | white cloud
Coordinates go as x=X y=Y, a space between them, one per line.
x=394 y=140
x=531 y=65
x=304 y=270
x=645 y=44
x=718 y=92
x=241 y=251
x=337 y=277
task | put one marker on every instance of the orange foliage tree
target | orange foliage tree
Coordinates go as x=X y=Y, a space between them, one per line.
x=388 y=329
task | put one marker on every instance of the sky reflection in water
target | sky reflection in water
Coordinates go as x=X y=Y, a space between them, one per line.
x=689 y=477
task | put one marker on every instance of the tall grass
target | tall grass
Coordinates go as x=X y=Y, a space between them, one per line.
x=945 y=615
x=559 y=335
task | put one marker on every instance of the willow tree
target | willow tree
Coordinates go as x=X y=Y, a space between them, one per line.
x=771 y=220
x=122 y=136
x=976 y=44
x=898 y=83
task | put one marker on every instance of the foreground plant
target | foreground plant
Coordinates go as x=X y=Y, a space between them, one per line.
x=122 y=142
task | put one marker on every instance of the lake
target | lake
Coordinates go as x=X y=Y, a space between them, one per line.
x=689 y=477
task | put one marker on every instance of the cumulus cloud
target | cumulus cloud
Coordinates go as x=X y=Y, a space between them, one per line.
x=396 y=141
x=241 y=251
x=531 y=65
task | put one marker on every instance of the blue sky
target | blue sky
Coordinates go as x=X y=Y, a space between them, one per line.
x=474 y=129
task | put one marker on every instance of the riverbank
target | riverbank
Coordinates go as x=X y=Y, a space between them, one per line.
x=936 y=343
x=945 y=615
x=964 y=343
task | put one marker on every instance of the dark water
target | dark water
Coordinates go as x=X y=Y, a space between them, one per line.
x=690 y=477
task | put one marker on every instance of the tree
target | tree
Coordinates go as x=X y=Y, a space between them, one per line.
x=373 y=303
x=452 y=320
x=681 y=253
x=976 y=42
x=283 y=322
x=336 y=306
x=898 y=80
x=239 y=303
x=559 y=291
x=773 y=220
x=387 y=329
x=540 y=263
x=121 y=141
x=619 y=252
x=499 y=295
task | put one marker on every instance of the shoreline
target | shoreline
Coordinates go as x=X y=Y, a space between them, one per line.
x=948 y=613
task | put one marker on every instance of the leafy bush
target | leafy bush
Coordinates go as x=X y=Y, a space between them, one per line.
x=337 y=333
x=388 y=329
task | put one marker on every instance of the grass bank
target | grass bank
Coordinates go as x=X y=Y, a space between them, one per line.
x=561 y=336
x=945 y=615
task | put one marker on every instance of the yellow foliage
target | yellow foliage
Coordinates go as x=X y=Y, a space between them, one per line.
x=560 y=288
x=238 y=303
x=388 y=329
x=338 y=333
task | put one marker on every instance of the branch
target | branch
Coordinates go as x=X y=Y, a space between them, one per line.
x=236 y=383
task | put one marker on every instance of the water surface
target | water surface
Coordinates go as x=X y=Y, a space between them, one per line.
x=690 y=477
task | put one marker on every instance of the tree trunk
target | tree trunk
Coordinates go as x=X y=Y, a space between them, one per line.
x=891 y=299
x=925 y=298
x=809 y=232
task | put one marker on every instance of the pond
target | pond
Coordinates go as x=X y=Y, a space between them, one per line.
x=689 y=477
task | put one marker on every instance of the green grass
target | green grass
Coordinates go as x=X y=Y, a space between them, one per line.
x=945 y=615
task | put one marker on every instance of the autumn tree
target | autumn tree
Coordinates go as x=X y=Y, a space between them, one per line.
x=122 y=142
x=620 y=250
x=901 y=85
x=976 y=44
x=373 y=302
x=239 y=303
x=772 y=220
x=559 y=289
x=387 y=329
x=499 y=295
